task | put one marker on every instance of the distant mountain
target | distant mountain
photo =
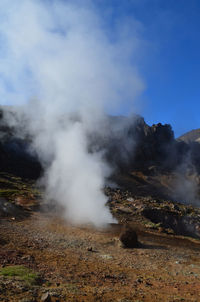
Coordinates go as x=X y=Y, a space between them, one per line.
x=191 y=136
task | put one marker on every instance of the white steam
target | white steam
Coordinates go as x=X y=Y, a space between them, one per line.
x=186 y=184
x=57 y=60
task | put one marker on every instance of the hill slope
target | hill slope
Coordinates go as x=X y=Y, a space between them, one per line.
x=191 y=136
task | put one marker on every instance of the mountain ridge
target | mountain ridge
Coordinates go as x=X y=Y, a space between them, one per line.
x=190 y=136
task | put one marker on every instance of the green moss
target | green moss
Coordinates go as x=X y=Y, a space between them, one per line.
x=4 y=192
x=22 y=272
x=11 y=187
x=152 y=225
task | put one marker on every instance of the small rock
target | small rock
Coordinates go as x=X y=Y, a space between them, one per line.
x=148 y=283
x=27 y=257
x=131 y=199
x=128 y=237
x=139 y=280
x=176 y=207
x=106 y=257
x=46 y=297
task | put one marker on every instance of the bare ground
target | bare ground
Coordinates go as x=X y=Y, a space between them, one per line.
x=81 y=263
x=86 y=264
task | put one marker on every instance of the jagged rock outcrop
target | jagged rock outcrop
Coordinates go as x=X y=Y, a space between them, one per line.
x=15 y=155
x=157 y=148
x=137 y=145
x=128 y=143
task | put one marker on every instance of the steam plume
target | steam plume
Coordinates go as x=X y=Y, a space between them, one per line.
x=57 y=61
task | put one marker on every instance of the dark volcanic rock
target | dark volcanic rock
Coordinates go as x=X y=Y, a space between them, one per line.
x=182 y=225
x=15 y=155
x=127 y=143
x=128 y=237
x=8 y=209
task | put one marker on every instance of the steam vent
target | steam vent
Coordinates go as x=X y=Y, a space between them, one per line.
x=99 y=151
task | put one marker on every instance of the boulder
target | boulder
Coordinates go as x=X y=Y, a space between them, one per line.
x=46 y=297
x=128 y=237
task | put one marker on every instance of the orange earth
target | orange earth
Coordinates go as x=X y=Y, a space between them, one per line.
x=85 y=264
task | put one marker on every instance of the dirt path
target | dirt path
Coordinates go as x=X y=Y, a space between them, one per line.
x=85 y=264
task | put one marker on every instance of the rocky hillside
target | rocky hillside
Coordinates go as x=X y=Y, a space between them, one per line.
x=128 y=144
x=45 y=258
x=191 y=136
x=151 y=149
x=15 y=155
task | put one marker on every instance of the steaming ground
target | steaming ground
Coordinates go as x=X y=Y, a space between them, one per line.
x=61 y=70
x=83 y=263
x=56 y=59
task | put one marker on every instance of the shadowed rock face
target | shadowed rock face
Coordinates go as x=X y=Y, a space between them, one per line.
x=8 y=209
x=135 y=145
x=15 y=156
x=181 y=225
x=128 y=143
x=157 y=148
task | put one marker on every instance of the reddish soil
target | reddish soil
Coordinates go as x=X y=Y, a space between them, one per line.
x=86 y=264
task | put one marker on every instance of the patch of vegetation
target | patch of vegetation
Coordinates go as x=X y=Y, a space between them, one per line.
x=152 y=225
x=22 y=272
x=7 y=192
x=11 y=187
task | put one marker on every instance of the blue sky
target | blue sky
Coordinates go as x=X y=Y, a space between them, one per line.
x=170 y=60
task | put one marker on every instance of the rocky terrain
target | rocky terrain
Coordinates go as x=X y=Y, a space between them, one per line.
x=45 y=258
x=191 y=136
